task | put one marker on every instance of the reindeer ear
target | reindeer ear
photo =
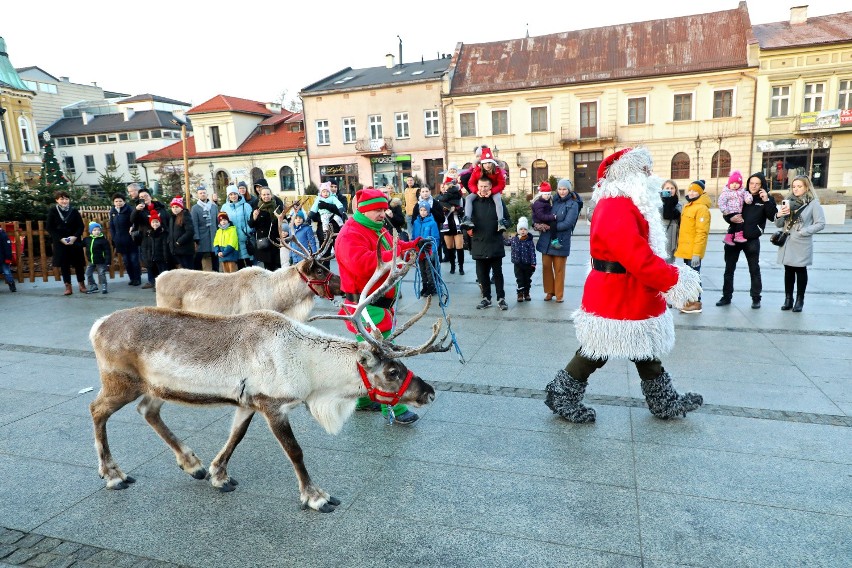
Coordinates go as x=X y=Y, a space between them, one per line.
x=366 y=357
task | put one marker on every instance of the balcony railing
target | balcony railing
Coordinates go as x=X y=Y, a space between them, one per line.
x=574 y=134
x=369 y=146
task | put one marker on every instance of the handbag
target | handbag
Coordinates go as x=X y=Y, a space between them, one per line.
x=779 y=238
x=264 y=243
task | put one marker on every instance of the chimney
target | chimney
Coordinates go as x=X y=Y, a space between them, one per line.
x=798 y=15
x=389 y=60
x=64 y=79
x=86 y=117
x=273 y=107
x=128 y=113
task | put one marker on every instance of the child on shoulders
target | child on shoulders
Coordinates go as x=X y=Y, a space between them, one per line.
x=486 y=167
x=731 y=202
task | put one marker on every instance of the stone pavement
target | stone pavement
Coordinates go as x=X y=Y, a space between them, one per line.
x=760 y=476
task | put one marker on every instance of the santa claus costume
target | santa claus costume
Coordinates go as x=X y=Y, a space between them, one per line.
x=623 y=311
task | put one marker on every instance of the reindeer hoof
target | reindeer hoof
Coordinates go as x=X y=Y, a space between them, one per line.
x=327 y=508
x=129 y=479
x=334 y=500
x=199 y=473
x=118 y=485
x=227 y=487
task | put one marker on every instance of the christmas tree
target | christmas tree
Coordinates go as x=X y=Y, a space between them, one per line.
x=51 y=177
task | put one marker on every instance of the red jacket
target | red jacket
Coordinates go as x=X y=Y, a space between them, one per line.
x=498 y=179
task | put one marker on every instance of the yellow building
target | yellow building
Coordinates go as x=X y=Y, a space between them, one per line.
x=19 y=147
x=803 y=116
x=558 y=104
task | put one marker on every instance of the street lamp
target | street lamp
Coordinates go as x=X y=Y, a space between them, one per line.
x=212 y=175
x=185 y=159
x=296 y=164
x=698 y=157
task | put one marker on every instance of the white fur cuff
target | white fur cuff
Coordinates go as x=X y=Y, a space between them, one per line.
x=687 y=289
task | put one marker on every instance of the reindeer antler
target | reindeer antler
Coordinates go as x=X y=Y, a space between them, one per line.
x=322 y=253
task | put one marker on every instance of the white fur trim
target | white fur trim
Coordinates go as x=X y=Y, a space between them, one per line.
x=601 y=337
x=687 y=288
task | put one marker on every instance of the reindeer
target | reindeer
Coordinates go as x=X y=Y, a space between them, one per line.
x=288 y=290
x=274 y=364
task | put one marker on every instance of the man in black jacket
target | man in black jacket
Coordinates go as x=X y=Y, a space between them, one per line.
x=754 y=217
x=486 y=246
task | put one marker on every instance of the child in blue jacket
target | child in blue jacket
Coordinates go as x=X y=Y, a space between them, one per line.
x=304 y=234
x=424 y=226
x=524 y=258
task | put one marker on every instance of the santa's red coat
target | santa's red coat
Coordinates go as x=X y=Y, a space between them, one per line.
x=625 y=315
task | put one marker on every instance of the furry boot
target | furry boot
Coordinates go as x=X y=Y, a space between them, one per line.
x=564 y=397
x=664 y=402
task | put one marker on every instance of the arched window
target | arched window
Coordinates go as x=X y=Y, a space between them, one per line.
x=222 y=181
x=288 y=180
x=256 y=174
x=680 y=166
x=721 y=164
x=539 y=172
x=26 y=134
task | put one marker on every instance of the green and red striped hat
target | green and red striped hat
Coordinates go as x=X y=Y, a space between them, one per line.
x=370 y=199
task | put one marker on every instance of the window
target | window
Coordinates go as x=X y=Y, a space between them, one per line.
x=288 y=180
x=538 y=119
x=588 y=120
x=69 y=165
x=813 y=96
x=349 y=135
x=110 y=160
x=723 y=104
x=90 y=164
x=323 y=134
x=499 y=122
x=26 y=134
x=215 y=140
x=844 y=99
x=682 y=107
x=720 y=166
x=680 y=166
x=131 y=161
x=123 y=136
x=102 y=138
x=430 y=117
x=636 y=110
x=47 y=88
x=401 y=119
x=144 y=135
x=376 y=132
x=780 y=101
x=157 y=134
x=31 y=85
x=467 y=124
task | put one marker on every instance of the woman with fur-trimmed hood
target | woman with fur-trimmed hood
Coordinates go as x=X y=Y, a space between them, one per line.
x=623 y=311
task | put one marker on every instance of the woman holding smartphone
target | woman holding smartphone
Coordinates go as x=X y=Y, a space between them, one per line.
x=801 y=216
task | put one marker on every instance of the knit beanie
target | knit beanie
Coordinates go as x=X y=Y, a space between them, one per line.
x=154 y=217
x=242 y=184
x=523 y=224
x=565 y=183
x=95 y=225
x=178 y=200
x=222 y=215
x=736 y=177
x=424 y=204
x=232 y=189
x=370 y=200
x=697 y=185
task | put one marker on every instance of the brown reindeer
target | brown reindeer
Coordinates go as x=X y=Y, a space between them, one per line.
x=288 y=290
x=273 y=365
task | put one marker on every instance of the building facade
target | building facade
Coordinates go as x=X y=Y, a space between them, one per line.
x=376 y=126
x=803 y=117
x=558 y=104
x=239 y=140
x=19 y=147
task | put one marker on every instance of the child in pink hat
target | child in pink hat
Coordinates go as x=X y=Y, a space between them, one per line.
x=731 y=202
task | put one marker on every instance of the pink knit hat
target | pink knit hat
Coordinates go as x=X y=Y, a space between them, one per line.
x=736 y=177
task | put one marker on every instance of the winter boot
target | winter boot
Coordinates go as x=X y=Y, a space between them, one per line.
x=452 y=257
x=788 y=302
x=800 y=302
x=664 y=402
x=564 y=397
x=83 y=288
x=739 y=238
x=460 y=254
x=104 y=291
x=92 y=289
x=12 y=287
x=729 y=240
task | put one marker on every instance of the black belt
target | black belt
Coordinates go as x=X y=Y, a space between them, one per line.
x=384 y=303
x=608 y=266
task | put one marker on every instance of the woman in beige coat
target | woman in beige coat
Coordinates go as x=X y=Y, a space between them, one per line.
x=801 y=216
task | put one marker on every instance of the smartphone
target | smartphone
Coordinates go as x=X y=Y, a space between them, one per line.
x=666 y=193
x=785 y=203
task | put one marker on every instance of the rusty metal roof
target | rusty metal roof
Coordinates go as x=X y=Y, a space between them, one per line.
x=836 y=28
x=686 y=44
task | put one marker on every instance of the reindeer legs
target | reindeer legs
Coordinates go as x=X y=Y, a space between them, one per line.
x=149 y=408
x=107 y=403
x=219 y=466
x=309 y=494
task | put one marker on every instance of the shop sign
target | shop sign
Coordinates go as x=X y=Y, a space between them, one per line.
x=792 y=144
x=383 y=160
x=836 y=118
x=403 y=158
x=339 y=169
x=270 y=173
x=238 y=172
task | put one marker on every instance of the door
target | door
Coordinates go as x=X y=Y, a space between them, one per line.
x=433 y=172
x=586 y=170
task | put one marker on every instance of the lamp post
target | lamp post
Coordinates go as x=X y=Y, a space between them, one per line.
x=185 y=159
x=698 y=157
x=296 y=174
x=212 y=169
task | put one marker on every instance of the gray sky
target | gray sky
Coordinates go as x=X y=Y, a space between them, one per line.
x=191 y=50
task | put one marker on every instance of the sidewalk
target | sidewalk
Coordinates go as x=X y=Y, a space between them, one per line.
x=759 y=476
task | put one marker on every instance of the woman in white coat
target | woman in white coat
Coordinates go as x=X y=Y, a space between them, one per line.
x=801 y=216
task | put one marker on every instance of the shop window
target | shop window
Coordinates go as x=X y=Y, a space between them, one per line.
x=499 y=122
x=780 y=101
x=680 y=166
x=720 y=166
x=813 y=97
x=723 y=104
x=538 y=119
x=467 y=124
x=682 y=107
x=844 y=99
x=637 y=110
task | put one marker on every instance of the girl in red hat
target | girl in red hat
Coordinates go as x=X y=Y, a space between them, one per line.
x=489 y=168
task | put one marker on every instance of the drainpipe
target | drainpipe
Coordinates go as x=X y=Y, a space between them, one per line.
x=753 y=123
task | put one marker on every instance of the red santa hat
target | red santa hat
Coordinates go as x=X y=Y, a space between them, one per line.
x=487 y=156
x=154 y=216
x=604 y=167
x=448 y=178
x=544 y=187
x=370 y=199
